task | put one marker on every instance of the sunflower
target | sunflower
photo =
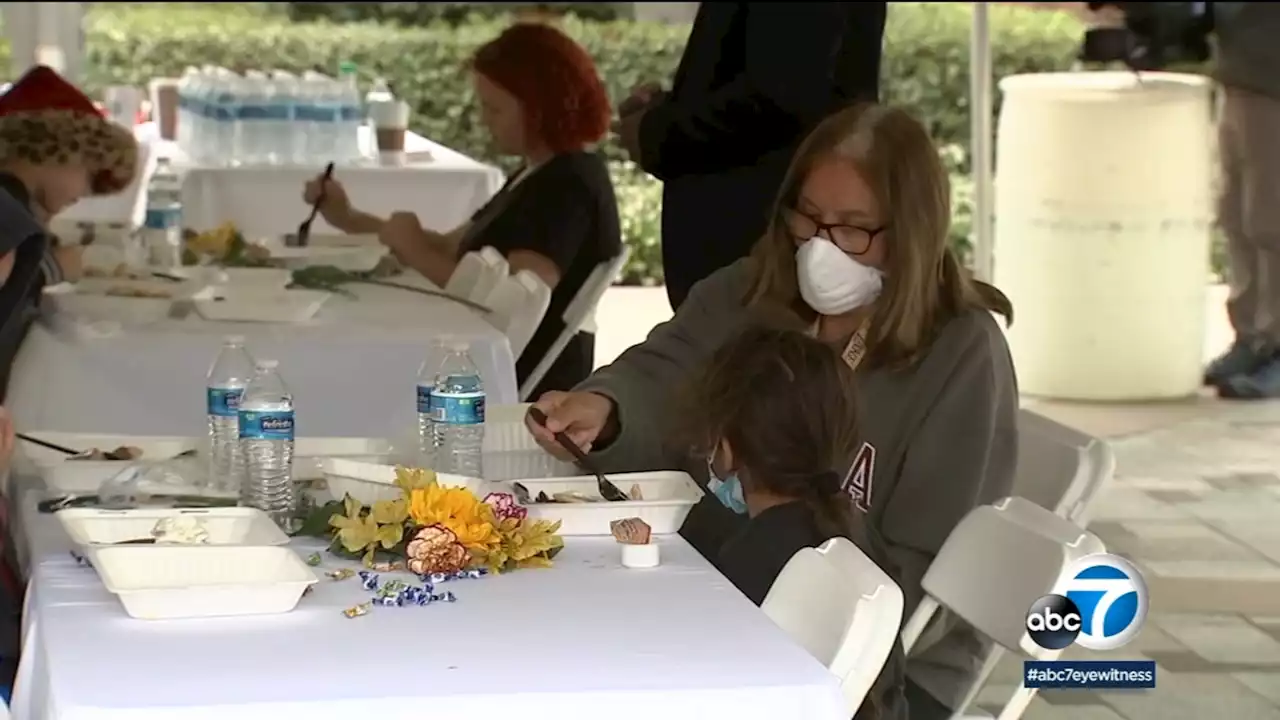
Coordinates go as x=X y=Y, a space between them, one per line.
x=457 y=509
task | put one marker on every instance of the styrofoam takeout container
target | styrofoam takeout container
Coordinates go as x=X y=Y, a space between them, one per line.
x=63 y=474
x=226 y=526
x=371 y=482
x=263 y=305
x=235 y=278
x=164 y=582
x=355 y=257
x=668 y=495
x=87 y=300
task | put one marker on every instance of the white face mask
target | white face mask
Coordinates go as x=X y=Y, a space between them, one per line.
x=831 y=282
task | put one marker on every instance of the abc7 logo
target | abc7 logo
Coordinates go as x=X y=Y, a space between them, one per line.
x=1100 y=605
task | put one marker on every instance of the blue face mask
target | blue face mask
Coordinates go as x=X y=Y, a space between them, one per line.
x=728 y=491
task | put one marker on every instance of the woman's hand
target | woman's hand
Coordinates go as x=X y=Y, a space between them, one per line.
x=583 y=416
x=335 y=208
x=401 y=233
x=7 y=439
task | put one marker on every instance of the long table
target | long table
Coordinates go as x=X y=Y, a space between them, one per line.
x=584 y=640
x=352 y=370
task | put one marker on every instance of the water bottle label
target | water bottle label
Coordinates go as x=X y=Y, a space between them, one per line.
x=424 y=399
x=352 y=113
x=163 y=218
x=224 y=402
x=458 y=408
x=252 y=112
x=266 y=425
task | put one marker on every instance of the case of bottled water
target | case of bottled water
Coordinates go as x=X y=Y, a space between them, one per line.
x=229 y=375
x=457 y=413
x=266 y=441
x=262 y=118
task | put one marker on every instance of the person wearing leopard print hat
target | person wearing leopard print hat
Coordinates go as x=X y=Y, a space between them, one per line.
x=55 y=148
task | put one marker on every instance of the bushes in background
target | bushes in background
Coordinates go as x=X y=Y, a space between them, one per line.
x=925 y=68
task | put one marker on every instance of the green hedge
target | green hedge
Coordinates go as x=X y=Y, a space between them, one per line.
x=925 y=69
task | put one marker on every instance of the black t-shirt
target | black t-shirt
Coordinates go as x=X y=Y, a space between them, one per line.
x=754 y=556
x=565 y=210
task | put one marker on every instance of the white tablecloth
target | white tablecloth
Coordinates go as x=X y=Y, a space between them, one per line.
x=584 y=640
x=267 y=201
x=352 y=370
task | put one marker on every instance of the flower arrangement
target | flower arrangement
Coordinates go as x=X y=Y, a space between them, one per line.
x=436 y=529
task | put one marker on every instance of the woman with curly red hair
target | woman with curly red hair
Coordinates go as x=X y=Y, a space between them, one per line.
x=541 y=100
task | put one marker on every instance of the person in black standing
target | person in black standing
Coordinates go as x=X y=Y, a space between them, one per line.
x=755 y=78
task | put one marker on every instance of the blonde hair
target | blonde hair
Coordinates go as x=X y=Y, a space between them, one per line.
x=925 y=285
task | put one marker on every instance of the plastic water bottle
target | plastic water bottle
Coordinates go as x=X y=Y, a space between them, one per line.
x=425 y=386
x=287 y=146
x=351 y=115
x=226 y=120
x=253 y=125
x=457 y=408
x=162 y=230
x=324 y=119
x=266 y=442
x=231 y=372
x=186 y=102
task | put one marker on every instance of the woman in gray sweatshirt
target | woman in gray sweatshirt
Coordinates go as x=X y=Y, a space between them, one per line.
x=856 y=254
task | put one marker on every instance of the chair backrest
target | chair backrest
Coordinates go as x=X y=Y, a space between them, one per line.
x=477 y=275
x=1060 y=468
x=518 y=303
x=841 y=607
x=576 y=314
x=998 y=561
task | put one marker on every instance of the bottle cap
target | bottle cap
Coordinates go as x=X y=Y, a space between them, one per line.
x=233 y=339
x=346 y=67
x=267 y=364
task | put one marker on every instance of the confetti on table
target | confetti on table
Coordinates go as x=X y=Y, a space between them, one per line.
x=313 y=559
x=340 y=574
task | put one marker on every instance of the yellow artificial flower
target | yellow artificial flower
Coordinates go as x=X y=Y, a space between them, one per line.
x=362 y=533
x=390 y=512
x=410 y=479
x=457 y=509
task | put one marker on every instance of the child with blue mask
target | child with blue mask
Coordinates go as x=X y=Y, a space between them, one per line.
x=774 y=415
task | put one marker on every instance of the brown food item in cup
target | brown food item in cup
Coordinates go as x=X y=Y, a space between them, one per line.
x=390 y=139
x=631 y=531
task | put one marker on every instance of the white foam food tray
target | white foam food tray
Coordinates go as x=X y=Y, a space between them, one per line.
x=668 y=497
x=371 y=481
x=226 y=526
x=236 y=278
x=87 y=300
x=64 y=474
x=264 y=305
x=61 y=474
x=165 y=582
x=355 y=257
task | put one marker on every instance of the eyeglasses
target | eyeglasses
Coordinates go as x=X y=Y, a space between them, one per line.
x=852 y=239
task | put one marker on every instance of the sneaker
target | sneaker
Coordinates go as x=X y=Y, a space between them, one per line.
x=1242 y=358
x=1262 y=383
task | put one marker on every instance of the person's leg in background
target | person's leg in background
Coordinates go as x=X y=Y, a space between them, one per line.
x=1244 y=354
x=1250 y=218
x=923 y=706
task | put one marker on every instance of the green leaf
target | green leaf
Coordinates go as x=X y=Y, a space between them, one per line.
x=316 y=523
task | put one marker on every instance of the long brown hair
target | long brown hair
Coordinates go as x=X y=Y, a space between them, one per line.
x=925 y=285
x=785 y=404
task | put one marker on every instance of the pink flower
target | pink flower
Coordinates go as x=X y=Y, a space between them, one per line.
x=505 y=507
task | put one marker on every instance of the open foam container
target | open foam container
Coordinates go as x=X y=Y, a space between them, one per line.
x=509 y=452
x=668 y=496
x=226 y=526
x=165 y=582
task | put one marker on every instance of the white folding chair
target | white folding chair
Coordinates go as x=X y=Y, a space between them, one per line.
x=1061 y=468
x=998 y=561
x=518 y=303
x=576 y=315
x=477 y=275
x=841 y=607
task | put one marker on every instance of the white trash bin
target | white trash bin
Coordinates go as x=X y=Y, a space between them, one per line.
x=1103 y=211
